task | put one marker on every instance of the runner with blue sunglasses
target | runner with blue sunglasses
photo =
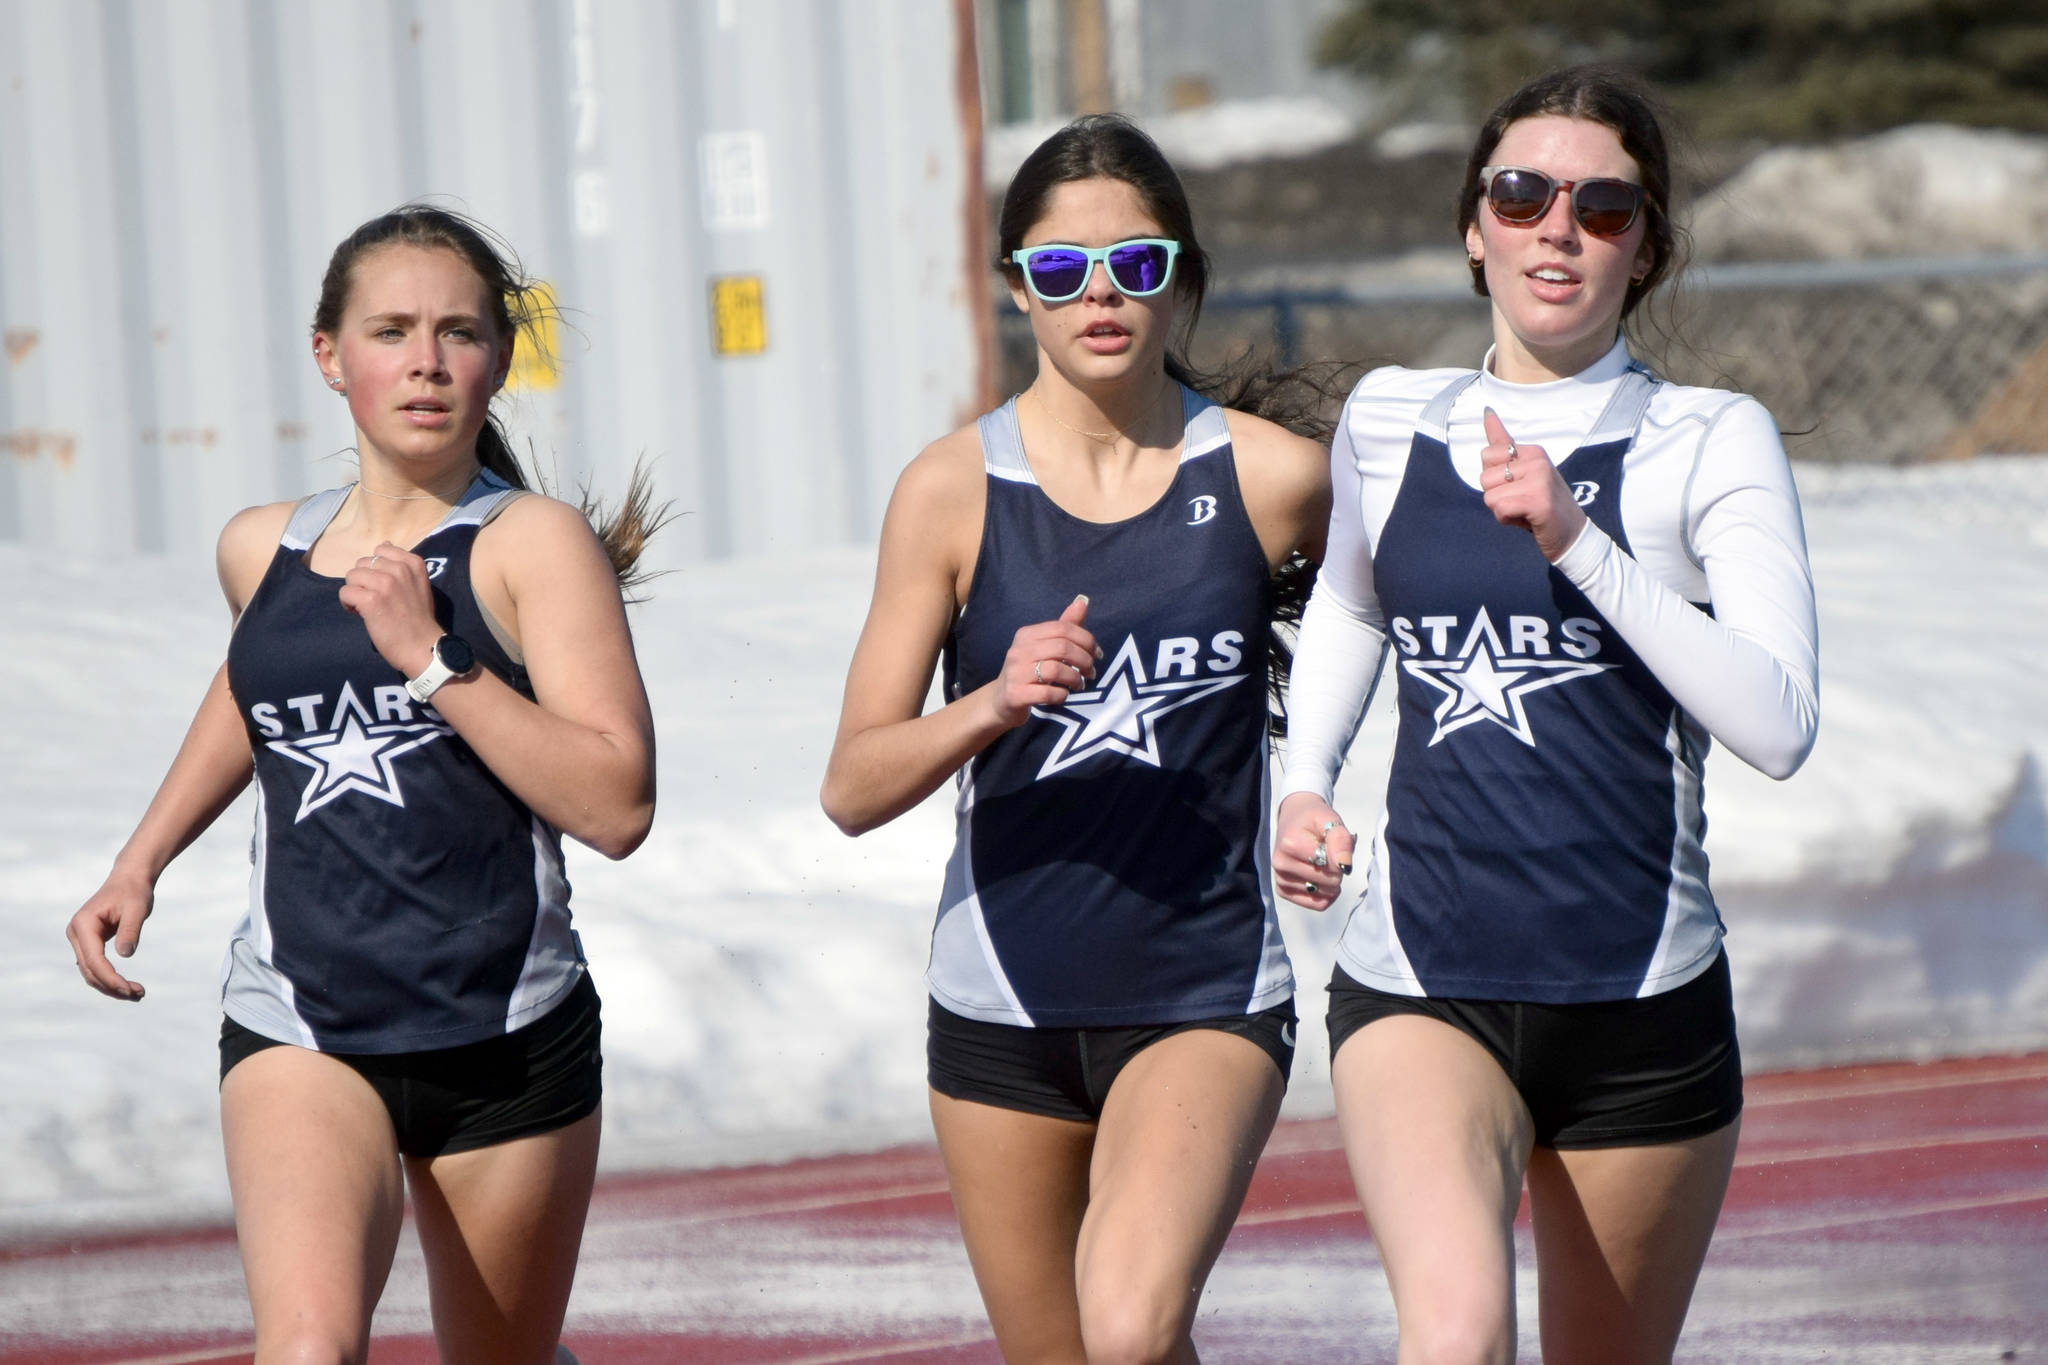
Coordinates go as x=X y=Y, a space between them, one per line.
x=1111 y=1014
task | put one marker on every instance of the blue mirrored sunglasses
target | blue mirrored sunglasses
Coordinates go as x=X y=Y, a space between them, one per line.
x=1056 y=272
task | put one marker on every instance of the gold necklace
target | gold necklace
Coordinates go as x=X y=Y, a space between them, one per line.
x=413 y=497
x=1107 y=438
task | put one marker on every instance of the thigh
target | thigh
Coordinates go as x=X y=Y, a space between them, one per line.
x=1020 y=1187
x=319 y=1199
x=1621 y=1233
x=1437 y=1139
x=501 y=1226
x=1181 y=1132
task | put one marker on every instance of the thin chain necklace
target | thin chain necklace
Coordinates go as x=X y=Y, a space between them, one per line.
x=1107 y=438
x=420 y=497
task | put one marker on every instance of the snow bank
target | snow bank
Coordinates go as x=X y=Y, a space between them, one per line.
x=762 y=974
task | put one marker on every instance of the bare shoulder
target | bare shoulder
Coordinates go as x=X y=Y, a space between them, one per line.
x=246 y=546
x=539 y=521
x=538 y=546
x=1271 y=456
x=943 y=478
x=1285 y=480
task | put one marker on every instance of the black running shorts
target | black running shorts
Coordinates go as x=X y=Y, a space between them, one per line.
x=1606 y=1073
x=538 y=1078
x=1066 y=1073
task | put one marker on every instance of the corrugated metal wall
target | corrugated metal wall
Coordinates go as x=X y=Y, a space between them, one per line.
x=173 y=174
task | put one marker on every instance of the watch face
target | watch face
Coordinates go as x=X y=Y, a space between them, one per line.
x=455 y=654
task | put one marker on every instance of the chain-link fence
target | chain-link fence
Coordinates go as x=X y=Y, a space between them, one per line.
x=1889 y=361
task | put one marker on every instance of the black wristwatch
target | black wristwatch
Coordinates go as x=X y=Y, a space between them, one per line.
x=452 y=658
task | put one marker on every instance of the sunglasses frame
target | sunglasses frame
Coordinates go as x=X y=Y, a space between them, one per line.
x=1489 y=174
x=1096 y=255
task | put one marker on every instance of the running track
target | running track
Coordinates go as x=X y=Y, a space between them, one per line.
x=1878 y=1214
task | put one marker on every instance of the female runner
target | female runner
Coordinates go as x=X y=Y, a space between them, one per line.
x=1583 y=572
x=430 y=676
x=1111 y=1006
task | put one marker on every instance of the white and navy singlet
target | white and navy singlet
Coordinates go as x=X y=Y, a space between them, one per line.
x=402 y=898
x=1542 y=838
x=1110 y=866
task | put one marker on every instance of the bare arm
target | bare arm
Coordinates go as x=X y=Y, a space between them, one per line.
x=581 y=754
x=212 y=767
x=888 y=755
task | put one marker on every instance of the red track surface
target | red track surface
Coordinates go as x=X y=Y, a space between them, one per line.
x=1878 y=1214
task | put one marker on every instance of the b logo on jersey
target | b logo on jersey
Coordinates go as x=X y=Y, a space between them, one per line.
x=1120 y=714
x=1201 y=508
x=357 y=752
x=436 y=565
x=1486 y=680
x=1584 y=491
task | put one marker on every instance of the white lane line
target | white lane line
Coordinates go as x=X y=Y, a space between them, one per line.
x=1898 y=1087
x=899 y=1349
x=194 y=1357
x=1882 y=1216
x=1299 y=1214
x=1883 y=1145
x=815 y=1204
x=1325 y=1210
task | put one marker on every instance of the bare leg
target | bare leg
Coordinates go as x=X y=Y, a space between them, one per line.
x=1181 y=1132
x=1621 y=1233
x=501 y=1227
x=319 y=1200
x=1020 y=1186
x=1437 y=1139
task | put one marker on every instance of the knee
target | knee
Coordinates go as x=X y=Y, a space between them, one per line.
x=1478 y=1338
x=309 y=1344
x=1131 y=1329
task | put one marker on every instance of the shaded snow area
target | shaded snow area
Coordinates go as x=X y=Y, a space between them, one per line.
x=762 y=974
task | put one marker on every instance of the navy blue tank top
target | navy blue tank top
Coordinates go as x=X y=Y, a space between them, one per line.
x=1532 y=846
x=1110 y=864
x=402 y=898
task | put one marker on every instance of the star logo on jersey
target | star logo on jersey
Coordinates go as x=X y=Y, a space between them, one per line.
x=1121 y=714
x=356 y=754
x=1485 y=682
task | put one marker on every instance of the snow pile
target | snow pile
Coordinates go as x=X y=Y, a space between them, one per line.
x=762 y=974
x=1196 y=139
x=1924 y=190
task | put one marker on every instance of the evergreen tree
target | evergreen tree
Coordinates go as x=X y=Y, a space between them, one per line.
x=1771 y=68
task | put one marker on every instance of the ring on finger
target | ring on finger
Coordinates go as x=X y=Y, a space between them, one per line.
x=1507 y=473
x=1037 y=674
x=1310 y=887
x=1320 y=859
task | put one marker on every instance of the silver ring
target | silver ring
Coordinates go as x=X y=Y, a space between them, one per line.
x=1037 y=676
x=374 y=559
x=1507 y=473
x=1513 y=450
x=1329 y=825
x=1320 y=859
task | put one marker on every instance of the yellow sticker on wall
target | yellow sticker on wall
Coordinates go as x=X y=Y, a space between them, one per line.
x=534 y=358
x=739 y=320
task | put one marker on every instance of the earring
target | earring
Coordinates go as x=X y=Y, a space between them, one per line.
x=1474 y=261
x=335 y=384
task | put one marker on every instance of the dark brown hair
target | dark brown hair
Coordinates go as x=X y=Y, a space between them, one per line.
x=1111 y=147
x=1613 y=99
x=517 y=303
